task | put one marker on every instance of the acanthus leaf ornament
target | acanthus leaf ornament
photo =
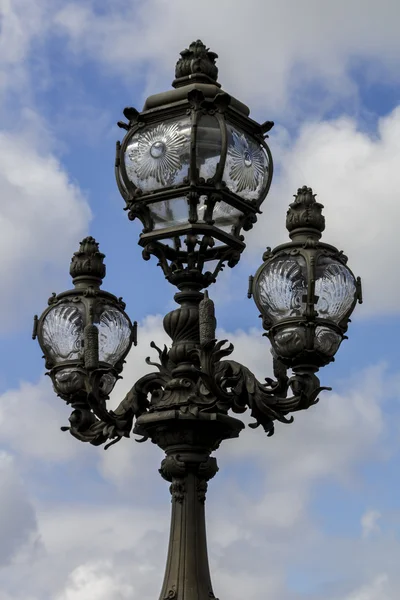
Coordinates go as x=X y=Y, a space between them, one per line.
x=196 y=60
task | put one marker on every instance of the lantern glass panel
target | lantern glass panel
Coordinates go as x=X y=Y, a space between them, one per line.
x=208 y=146
x=326 y=340
x=335 y=288
x=290 y=341
x=114 y=335
x=246 y=168
x=169 y=213
x=224 y=215
x=282 y=286
x=62 y=333
x=68 y=381
x=157 y=156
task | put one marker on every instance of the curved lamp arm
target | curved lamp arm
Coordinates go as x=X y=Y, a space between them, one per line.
x=220 y=386
x=235 y=387
x=101 y=425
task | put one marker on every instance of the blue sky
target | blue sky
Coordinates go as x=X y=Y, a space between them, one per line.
x=310 y=514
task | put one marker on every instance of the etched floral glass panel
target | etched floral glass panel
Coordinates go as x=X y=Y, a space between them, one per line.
x=158 y=155
x=62 y=333
x=246 y=167
x=335 y=288
x=169 y=213
x=114 y=335
x=209 y=145
x=282 y=287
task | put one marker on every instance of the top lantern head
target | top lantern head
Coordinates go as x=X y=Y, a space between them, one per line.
x=193 y=167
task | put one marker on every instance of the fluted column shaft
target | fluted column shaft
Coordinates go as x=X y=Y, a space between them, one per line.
x=187 y=573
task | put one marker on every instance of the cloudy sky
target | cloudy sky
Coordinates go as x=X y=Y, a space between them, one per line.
x=312 y=513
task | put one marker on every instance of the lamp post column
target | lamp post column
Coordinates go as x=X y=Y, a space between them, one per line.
x=187 y=573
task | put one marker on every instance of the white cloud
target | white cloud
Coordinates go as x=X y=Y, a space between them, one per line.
x=270 y=49
x=325 y=443
x=369 y=522
x=43 y=215
x=96 y=582
x=376 y=590
x=30 y=421
x=21 y=22
x=18 y=526
x=267 y=55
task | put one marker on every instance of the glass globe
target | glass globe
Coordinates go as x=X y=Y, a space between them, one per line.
x=283 y=284
x=281 y=295
x=114 y=335
x=63 y=341
x=85 y=333
x=335 y=288
x=62 y=333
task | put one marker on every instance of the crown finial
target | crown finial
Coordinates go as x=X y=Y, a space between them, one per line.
x=197 y=63
x=87 y=262
x=305 y=213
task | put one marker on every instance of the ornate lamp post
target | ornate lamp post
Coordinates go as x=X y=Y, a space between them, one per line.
x=194 y=168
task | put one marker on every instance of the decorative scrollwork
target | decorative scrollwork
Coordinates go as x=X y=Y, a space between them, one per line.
x=172 y=262
x=202 y=381
x=236 y=388
x=96 y=425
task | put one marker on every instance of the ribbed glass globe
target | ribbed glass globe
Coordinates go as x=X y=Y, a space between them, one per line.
x=62 y=333
x=335 y=288
x=114 y=335
x=282 y=287
x=282 y=290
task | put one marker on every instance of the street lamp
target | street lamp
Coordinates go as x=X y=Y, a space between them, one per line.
x=194 y=169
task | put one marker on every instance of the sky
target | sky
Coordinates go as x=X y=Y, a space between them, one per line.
x=312 y=513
